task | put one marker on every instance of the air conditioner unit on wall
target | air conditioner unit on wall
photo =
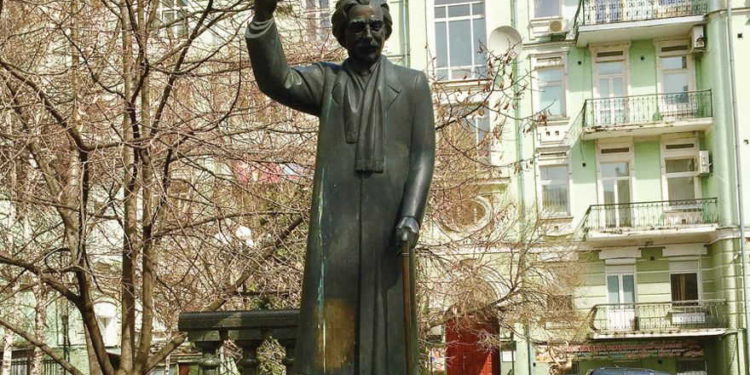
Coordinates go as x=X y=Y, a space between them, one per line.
x=704 y=163
x=697 y=39
x=556 y=27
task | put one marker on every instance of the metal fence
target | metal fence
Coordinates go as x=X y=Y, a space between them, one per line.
x=22 y=366
x=19 y=366
x=651 y=215
x=644 y=109
x=50 y=367
x=597 y=12
x=658 y=317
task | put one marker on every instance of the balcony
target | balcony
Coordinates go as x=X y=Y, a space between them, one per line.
x=646 y=115
x=611 y=20
x=660 y=319
x=688 y=219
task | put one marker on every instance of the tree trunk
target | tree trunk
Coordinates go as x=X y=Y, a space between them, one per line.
x=94 y=367
x=40 y=326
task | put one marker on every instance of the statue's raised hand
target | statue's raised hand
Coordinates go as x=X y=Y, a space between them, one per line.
x=264 y=9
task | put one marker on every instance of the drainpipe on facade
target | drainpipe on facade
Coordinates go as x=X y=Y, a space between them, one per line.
x=738 y=174
x=405 y=45
x=517 y=121
x=521 y=179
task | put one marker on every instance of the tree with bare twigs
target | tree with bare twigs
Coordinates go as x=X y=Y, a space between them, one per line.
x=140 y=165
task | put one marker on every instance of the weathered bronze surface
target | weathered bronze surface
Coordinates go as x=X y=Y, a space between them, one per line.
x=374 y=163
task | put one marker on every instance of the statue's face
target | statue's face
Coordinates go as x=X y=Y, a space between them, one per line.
x=365 y=34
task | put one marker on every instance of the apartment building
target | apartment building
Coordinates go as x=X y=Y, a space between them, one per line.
x=630 y=153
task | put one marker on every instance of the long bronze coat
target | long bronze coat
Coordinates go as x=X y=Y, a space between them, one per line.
x=352 y=314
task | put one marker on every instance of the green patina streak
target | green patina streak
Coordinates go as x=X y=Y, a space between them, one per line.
x=321 y=282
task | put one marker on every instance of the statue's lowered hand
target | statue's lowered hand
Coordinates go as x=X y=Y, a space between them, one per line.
x=407 y=232
x=264 y=9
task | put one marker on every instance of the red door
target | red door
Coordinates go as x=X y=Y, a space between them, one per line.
x=465 y=355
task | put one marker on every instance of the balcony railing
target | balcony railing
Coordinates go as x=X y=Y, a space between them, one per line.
x=598 y=12
x=660 y=317
x=644 y=109
x=620 y=217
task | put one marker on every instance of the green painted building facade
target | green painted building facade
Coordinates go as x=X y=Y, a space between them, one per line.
x=628 y=150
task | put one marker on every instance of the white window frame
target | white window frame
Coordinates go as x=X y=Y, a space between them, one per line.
x=541 y=208
x=532 y=7
x=595 y=50
x=625 y=58
x=627 y=156
x=550 y=61
x=683 y=153
x=474 y=119
x=690 y=68
x=682 y=268
x=432 y=38
x=619 y=271
x=319 y=16
x=178 y=12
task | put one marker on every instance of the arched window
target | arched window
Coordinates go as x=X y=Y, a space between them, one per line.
x=460 y=39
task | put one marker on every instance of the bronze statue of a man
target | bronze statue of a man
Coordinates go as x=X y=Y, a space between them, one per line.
x=374 y=163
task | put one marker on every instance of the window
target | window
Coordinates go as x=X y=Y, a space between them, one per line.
x=615 y=186
x=620 y=313
x=478 y=126
x=674 y=62
x=684 y=286
x=174 y=17
x=554 y=183
x=680 y=178
x=460 y=39
x=691 y=367
x=473 y=137
x=551 y=91
x=550 y=84
x=610 y=105
x=675 y=79
x=680 y=170
x=621 y=288
x=51 y=367
x=674 y=72
x=616 y=191
x=319 y=17
x=546 y=8
x=19 y=366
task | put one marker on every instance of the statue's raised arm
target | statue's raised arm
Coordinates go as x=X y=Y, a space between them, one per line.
x=300 y=87
x=373 y=169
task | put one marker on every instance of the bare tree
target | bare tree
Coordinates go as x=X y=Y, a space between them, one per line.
x=141 y=165
x=488 y=260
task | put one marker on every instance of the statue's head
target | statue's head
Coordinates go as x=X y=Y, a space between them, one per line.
x=362 y=27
